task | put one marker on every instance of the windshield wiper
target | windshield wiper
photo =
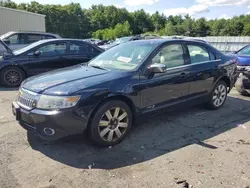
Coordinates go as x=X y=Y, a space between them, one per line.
x=98 y=67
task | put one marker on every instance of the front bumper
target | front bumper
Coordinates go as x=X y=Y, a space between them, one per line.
x=63 y=122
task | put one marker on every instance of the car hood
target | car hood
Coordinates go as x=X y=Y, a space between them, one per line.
x=67 y=81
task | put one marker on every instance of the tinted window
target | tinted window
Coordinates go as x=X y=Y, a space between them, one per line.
x=53 y=49
x=47 y=37
x=245 y=51
x=33 y=38
x=171 y=56
x=198 y=54
x=78 y=48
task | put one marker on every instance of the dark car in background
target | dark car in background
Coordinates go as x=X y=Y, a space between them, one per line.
x=130 y=80
x=43 y=56
x=19 y=39
x=243 y=77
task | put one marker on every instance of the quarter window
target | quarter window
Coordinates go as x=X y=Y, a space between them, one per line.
x=53 y=49
x=198 y=54
x=171 y=56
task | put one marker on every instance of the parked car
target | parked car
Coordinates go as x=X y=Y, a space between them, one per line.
x=121 y=84
x=43 y=56
x=243 y=77
x=16 y=40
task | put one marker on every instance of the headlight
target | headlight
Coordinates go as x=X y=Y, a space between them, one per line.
x=56 y=102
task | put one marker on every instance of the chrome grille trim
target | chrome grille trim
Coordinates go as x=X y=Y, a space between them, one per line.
x=26 y=98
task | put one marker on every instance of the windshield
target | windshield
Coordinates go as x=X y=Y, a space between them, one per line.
x=245 y=51
x=127 y=56
x=27 y=48
x=122 y=40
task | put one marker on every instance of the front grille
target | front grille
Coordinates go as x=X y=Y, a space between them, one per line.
x=26 y=99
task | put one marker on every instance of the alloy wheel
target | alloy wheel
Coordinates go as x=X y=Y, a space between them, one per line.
x=113 y=124
x=219 y=95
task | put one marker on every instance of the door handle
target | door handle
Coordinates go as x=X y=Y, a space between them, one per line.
x=183 y=75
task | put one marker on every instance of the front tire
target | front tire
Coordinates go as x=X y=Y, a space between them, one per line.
x=218 y=96
x=111 y=123
x=12 y=76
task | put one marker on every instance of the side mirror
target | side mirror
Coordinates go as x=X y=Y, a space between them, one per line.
x=7 y=55
x=157 y=68
x=37 y=53
x=6 y=41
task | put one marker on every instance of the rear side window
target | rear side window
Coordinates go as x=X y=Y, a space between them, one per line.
x=198 y=54
x=33 y=38
x=78 y=48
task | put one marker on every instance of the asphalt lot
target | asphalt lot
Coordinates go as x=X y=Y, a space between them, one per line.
x=208 y=149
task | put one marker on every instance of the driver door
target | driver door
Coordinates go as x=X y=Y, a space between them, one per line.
x=166 y=88
x=49 y=58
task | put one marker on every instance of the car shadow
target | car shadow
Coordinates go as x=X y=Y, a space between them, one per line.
x=8 y=89
x=154 y=137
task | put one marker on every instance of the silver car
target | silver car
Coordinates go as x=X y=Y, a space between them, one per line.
x=16 y=40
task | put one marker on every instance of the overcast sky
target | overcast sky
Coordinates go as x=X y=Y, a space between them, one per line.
x=196 y=8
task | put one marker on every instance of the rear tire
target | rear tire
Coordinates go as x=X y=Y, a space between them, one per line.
x=12 y=76
x=218 y=96
x=110 y=123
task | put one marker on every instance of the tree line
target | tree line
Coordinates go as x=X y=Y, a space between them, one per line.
x=110 y=22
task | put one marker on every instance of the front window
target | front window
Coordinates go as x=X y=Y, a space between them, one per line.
x=127 y=56
x=170 y=55
x=27 y=48
x=53 y=49
x=245 y=51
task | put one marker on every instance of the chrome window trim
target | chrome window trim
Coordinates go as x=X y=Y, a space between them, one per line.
x=189 y=65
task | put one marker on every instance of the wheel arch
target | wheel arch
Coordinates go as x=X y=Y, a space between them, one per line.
x=17 y=66
x=226 y=80
x=118 y=97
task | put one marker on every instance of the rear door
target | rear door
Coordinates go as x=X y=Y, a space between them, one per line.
x=203 y=68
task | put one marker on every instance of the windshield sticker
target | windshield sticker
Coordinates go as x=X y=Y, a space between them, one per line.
x=124 y=59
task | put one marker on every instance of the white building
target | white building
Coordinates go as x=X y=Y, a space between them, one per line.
x=19 y=20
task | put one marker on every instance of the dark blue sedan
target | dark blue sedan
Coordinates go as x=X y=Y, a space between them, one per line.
x=122 y=84
x=43 y=56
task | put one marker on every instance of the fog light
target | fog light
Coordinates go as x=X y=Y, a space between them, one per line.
x=49 y=131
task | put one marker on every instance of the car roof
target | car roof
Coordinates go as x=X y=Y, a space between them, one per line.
x=31 y=32
x=161 y=41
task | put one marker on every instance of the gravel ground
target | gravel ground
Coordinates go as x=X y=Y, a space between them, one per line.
x=192 y=146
